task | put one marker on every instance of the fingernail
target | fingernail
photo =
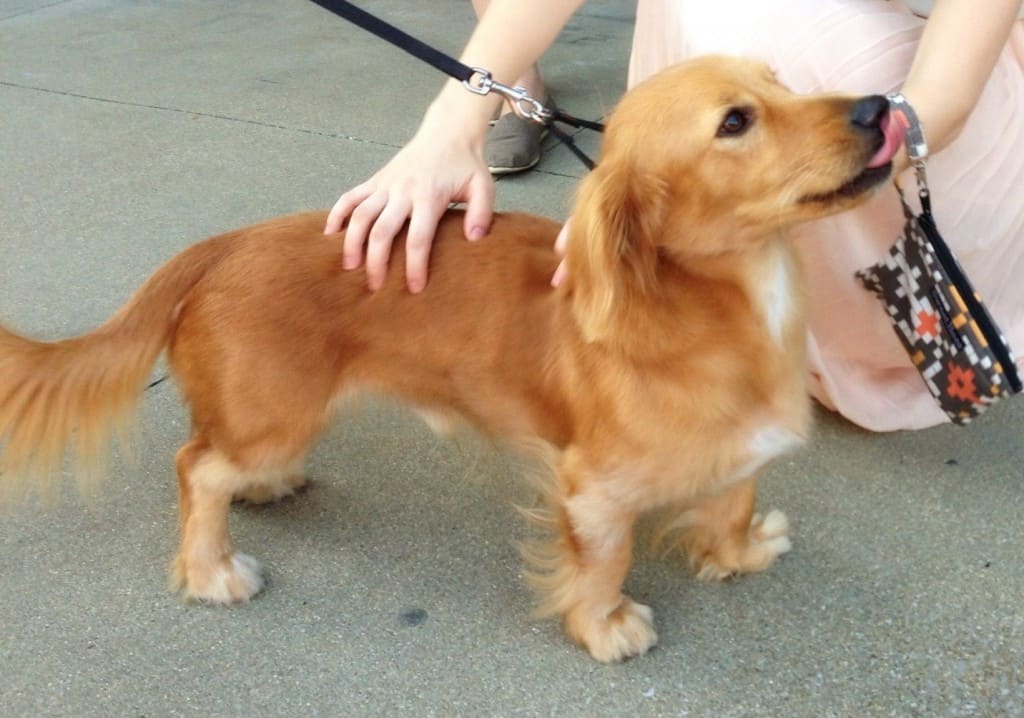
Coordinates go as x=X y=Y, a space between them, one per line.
x=349 y=263
x=477 y=232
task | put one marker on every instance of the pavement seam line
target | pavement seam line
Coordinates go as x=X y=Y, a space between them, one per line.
x=22 y=13
x=211 y=115
x=214 y=116
x=258 y=123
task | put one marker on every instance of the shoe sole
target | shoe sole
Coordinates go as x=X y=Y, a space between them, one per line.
x=514 y=170
x=497 y=170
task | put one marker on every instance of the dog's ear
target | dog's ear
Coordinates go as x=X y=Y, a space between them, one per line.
x=612 y=251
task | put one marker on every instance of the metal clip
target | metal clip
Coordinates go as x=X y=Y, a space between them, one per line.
x=922 y=179
x=522 y=103
x=484 y=84
x=917 y=145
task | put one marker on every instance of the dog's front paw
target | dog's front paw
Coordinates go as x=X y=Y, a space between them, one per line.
x=234 y=579
x=767 y=539
x=626 y=632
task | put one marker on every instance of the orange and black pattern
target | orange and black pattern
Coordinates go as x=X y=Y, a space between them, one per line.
x=955 y=347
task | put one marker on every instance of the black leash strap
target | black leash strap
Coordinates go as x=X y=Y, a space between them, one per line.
x=418 y=49
x=475 y=79
x=566 y=139
x=157 y=382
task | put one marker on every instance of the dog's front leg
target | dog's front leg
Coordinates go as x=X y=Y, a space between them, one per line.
x=587 y=567
x=724 y=537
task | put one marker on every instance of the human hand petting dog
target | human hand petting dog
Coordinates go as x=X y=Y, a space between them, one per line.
x=444 y=162
x=402 y=189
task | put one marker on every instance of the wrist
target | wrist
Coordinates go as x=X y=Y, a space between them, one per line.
x=455 y=110
x=941 y=117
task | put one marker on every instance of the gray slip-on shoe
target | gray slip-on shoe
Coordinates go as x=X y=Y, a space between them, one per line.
x=513 y=144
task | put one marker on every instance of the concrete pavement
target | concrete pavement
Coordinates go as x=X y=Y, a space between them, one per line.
x=129 y=130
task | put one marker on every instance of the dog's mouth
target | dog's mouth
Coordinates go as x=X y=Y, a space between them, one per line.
x=877 y=168
x=870 y=177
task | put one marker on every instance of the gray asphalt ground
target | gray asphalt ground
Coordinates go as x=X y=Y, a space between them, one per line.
x=129 y=130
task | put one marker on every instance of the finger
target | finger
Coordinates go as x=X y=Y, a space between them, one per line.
x=422 y=228
x=344 y=206
x=562 y=241
x=362 y=218
x=382 y=236
x=479 y=205
x=561 y=273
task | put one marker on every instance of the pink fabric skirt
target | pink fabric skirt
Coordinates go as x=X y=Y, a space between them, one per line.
x=858 y=366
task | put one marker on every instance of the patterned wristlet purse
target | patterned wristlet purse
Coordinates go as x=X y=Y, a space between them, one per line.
x=941 y=321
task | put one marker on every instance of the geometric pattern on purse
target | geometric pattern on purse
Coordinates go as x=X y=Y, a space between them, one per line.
x=941 y=321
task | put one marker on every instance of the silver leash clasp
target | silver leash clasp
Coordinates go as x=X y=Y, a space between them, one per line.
x=481 y=82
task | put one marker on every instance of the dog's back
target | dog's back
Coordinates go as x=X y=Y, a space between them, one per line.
x=281 y=312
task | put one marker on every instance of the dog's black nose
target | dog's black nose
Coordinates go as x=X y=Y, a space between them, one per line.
x=868 y=111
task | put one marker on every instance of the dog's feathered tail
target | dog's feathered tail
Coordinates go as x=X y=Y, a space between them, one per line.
x=83 y=390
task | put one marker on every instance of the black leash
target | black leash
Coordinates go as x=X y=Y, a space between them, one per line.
x=475 y=79
x=157 y=382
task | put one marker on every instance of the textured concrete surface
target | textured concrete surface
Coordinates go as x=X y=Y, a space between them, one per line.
x=131 y=129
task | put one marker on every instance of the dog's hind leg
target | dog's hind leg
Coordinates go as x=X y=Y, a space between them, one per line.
x=724 y=537
x=207 y=567
x=584 y=571
x=274 y=485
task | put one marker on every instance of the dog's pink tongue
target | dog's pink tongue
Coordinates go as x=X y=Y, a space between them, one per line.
x=894 y=128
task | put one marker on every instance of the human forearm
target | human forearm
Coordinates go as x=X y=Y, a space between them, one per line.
x=959 y=47
x=509 y=38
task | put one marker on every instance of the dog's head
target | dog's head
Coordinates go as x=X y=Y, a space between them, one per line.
x=712 y=157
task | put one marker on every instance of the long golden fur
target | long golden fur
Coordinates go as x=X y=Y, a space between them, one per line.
x=665 y=373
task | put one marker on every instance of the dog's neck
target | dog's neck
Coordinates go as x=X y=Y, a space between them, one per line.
x=768 y=273
x=764 y=278
x=729 y=266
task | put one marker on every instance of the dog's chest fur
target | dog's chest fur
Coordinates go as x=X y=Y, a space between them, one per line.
x=775 y=291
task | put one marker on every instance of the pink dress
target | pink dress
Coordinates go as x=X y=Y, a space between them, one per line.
x=858 y=366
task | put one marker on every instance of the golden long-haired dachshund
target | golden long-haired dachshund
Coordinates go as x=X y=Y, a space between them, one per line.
x=663 y=375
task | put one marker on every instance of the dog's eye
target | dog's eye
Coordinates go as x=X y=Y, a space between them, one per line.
x=735 y=122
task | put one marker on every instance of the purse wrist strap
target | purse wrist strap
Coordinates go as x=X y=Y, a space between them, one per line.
x=917 y=146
